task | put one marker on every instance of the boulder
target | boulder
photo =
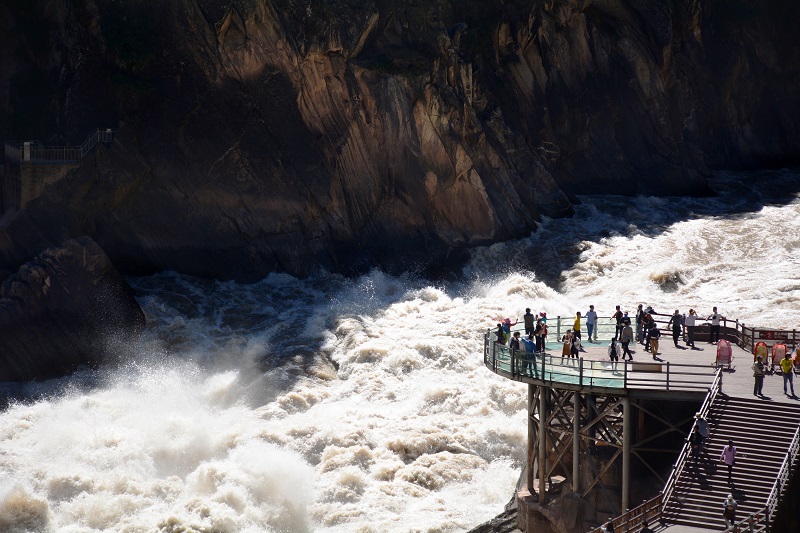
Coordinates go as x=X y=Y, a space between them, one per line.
x=65 y=308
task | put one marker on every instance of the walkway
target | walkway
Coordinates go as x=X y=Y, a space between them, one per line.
x=735 y=382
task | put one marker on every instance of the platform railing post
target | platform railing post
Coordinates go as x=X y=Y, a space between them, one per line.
x=667 y=375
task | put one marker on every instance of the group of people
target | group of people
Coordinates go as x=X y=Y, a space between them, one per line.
x=647 y=331
x=787 y=370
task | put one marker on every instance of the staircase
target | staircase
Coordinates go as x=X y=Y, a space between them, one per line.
x=762 y=433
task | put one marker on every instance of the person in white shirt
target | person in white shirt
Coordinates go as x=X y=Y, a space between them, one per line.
x=591 y=322
x=691 y=320
x=714 y=318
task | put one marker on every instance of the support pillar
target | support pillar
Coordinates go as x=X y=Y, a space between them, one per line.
x=627 y=437
x=542 y=444
x=576 y=443
x=531 y=436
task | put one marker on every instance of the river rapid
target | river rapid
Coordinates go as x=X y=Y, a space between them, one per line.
x=362 y=405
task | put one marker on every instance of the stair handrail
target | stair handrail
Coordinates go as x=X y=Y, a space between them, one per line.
x=677 y=468
x=783 y=477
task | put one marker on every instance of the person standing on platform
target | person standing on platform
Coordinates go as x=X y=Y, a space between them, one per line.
x=619 y=316
x=640 y=324
x=539 y=333
x=787 y=367
x=591 y=322
x=576 y=326
x=653 y=335
x=758 y=376
x=627 y=339
x=645 y=528
x=566 y=349
x=714 y=318
x=728 y=457
x=649 y=322
x=529 y=321
x=575 y=345
x=530 y=353
x=675 y=323
x=691 y=320
x=501 y=334
x=613 y=351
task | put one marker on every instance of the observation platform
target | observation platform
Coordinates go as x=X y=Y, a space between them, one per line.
x=676 y=373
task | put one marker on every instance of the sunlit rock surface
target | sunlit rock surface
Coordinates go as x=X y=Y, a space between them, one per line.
x=257 y=135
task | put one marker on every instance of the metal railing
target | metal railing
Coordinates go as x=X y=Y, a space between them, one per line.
x=35 y=152
x=633 y=520
x=783 y=477
x=680 y=462
x=580 y=372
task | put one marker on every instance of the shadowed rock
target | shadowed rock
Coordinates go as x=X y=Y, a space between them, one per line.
x=65 y=308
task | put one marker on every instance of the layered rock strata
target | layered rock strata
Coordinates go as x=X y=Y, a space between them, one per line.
x=262 y=135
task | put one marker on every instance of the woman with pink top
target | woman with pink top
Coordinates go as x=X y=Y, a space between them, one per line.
x=729 y=457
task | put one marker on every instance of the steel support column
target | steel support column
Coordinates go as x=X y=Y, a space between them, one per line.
x=576 y=443
x=542 y=444
x=627 y=437
x=531 y=435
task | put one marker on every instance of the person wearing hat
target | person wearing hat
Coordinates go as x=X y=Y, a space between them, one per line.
x=758 y=374
x=729 y=512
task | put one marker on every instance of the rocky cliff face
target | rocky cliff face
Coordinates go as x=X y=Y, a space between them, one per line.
x=257 y=135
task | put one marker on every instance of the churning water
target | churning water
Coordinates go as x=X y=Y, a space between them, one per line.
x=359 y=405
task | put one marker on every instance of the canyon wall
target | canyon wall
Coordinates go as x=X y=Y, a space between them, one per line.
x=262 y=135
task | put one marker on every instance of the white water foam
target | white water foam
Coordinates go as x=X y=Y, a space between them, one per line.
x=231 y=418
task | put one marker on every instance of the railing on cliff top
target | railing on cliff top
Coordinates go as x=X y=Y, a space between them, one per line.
x=35 y=152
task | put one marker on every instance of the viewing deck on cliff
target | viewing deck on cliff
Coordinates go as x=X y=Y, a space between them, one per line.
x=677 y=372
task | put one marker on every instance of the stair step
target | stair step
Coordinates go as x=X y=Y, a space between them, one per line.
x=762 y=433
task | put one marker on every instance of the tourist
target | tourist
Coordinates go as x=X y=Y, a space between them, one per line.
x=649 y=322
x=514 y=344
x=507 y=325
x=691 y=320
x=608 y=527
x=787 y=367
x=729 y=512
x=645 y=528
x=758 y=375
x=530 y=353
x=714 y=318
x=539 y=332
x=575 y=345
x=613 y=351
x=618 y=316
x=591 y=321
x=702 y=426
x=653 y=335
x=529 y=320
x=696 y=444
x=728 y=457
x=501 y=334
x=640 y=324
x=576 y=326
x=675 y=322
x=627 y=338
x=566 y=349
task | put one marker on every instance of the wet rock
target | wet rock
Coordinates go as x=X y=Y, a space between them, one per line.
x=65 y=308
